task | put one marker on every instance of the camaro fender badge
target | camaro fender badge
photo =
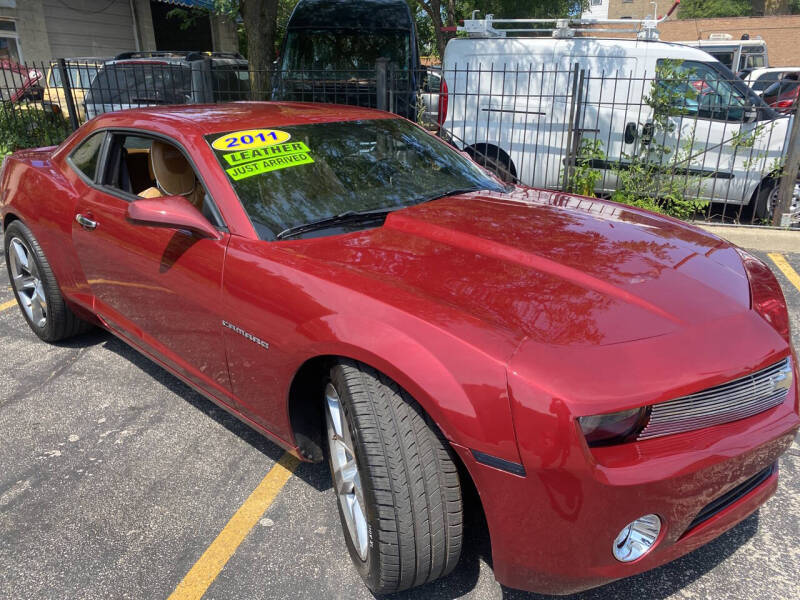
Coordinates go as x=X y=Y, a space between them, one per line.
x=243 y=333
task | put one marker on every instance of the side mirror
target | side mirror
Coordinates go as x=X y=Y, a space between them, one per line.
x=750 y=113
x=175 y=212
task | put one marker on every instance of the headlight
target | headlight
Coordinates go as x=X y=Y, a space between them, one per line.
x=766 y=295
x=613 y=428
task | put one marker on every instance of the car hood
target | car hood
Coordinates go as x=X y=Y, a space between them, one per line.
x=551 y=267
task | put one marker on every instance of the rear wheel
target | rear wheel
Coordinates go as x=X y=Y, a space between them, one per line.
x=395 y=480
x=36 y=289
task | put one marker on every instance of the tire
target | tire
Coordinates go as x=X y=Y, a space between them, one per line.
x=408 y=479
x=37 y=292
x=765 y=197
x=762 y=207
x=496 y=161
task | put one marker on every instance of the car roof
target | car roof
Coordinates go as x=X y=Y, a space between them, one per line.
x=592 y=46
x=208 y=119
x=774 y=70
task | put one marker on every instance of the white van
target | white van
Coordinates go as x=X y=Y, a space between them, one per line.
x=511 y=99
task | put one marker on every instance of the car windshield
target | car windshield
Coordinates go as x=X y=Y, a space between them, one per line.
x=765 y=80
x=144 y=82
x=347 y=53
x=295 y=175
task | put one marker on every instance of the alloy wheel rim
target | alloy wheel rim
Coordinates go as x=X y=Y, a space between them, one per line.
x=27 y=282
x=346 y=478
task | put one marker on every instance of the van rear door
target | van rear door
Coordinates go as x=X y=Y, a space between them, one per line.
x=610 y=104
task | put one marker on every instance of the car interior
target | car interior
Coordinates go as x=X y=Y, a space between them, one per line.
x=152 y=168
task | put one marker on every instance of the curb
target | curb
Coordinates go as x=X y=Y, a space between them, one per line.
x=763 y=239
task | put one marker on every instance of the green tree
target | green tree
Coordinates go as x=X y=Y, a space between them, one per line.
x=702 y=9
x=432 y=15
x=261 y=26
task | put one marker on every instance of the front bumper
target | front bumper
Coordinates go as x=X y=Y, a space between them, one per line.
x=552 y=529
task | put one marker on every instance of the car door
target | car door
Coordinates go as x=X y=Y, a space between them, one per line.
x=158 y=287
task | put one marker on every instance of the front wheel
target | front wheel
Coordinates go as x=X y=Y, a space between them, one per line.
x=395 y=480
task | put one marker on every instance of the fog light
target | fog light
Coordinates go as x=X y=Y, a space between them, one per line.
x=637 y=538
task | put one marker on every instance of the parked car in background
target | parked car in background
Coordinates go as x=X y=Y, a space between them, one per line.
x=81 y=72
x=18 y=82
x=431 y=88
x=617 y=385
x=137 y=79
x=331 y=48
x=760 y=79
x=782 y=95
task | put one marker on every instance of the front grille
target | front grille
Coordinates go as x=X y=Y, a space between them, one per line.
x=731 y=496
x=737 y=399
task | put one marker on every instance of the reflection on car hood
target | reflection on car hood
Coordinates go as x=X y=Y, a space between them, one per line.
x=555 y=268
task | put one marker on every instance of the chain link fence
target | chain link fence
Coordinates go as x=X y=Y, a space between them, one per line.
x=681 y=140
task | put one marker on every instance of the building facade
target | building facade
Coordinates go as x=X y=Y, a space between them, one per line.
x=636 y=9
x=40 y=30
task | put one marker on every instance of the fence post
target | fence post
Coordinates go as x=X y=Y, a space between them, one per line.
x=782 y=212
x=73 y=114
x=571 y=147
x=381 y=83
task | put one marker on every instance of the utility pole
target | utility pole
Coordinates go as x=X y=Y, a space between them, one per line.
x=782 y=215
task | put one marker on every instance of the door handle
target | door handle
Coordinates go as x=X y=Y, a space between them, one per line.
x=85 y=222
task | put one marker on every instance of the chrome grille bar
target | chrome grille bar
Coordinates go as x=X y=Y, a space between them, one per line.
x=737 y=399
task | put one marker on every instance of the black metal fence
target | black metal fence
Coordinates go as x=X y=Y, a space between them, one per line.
x=681 y=140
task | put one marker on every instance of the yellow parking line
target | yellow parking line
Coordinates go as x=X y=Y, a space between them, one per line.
x=7 y=305
x=785 y=268
x=205 y=570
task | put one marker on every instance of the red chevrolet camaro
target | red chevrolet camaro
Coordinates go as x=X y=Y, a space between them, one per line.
x=617 y=385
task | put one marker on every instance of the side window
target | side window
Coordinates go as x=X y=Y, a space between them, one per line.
x=433 y=83
x=139 y=165
x=726 y=58
x=54 y=80
x=698 y=89
x=85 y=157
x=766 y=80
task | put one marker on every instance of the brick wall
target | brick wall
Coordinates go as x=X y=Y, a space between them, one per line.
x=635 y=9
x=781 y=33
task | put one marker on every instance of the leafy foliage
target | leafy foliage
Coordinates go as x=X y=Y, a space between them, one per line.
x=431 y=15
x=30 y=127
x=701 y=9
x=584 y=177
x=656 y=177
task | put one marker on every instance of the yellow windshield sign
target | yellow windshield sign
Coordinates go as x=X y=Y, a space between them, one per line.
x=250 y=138
x=247 y=163
x=244 y=156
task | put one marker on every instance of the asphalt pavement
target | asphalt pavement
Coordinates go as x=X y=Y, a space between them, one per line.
x=116 y=479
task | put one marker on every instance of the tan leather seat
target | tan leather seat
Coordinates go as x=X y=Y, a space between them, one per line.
x=173 y=174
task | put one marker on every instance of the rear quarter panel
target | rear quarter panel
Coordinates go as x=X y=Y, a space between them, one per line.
x=35 y=190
